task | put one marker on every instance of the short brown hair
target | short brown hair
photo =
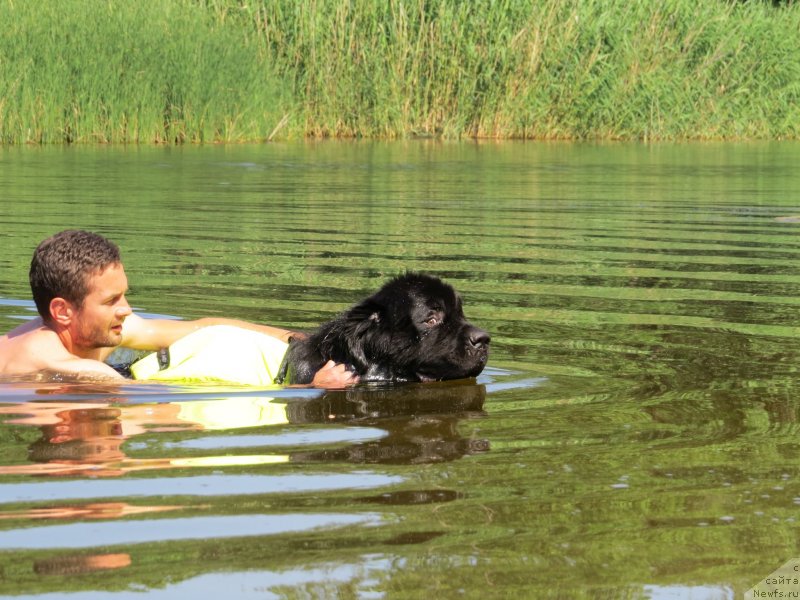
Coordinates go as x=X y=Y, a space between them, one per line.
x=62 y=263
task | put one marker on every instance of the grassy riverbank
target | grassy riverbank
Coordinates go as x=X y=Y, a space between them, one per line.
x=241 y=70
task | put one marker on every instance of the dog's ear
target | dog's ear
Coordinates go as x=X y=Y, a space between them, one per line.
x=373 y=319
x=365 y=315
x=362 y=319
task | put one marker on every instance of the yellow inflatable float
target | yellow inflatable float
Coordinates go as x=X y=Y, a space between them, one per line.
x=219 y=354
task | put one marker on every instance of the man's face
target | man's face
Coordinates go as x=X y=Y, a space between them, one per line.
x=98 y=323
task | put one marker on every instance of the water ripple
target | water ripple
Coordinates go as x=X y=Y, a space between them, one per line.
x=289 y=438
x=207 y=485
x=114 y=533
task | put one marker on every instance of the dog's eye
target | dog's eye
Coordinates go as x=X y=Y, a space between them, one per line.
x=432 y=321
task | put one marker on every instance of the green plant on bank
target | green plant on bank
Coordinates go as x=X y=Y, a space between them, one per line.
x=550 y=69
x=238 y=70
x=155 y=71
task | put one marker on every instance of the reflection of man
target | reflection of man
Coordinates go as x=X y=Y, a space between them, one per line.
x=80 y=563
x=79 y=288
x=89 y=439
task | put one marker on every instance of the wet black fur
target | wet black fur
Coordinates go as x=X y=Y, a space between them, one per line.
x=412 y=329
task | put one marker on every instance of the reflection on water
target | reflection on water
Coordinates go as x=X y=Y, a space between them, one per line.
x=126 y=533
x=104 y=437
x=636 y=434
x=73 y=565
x=413 y=423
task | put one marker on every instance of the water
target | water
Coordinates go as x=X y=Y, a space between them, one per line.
x=635 y=435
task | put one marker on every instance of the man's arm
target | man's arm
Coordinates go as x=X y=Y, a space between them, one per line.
x=84 y=368
x=153 y=334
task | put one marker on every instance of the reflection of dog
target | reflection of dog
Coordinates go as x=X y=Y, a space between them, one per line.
x=412 y=329
x=423 y=423
x=389 y=406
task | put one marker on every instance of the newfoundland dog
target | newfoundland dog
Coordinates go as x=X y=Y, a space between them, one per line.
x=412 y=329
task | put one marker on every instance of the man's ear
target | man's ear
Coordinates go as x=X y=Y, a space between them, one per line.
x=61 y=311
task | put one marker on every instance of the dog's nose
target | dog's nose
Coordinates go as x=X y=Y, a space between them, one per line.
x=479 y=338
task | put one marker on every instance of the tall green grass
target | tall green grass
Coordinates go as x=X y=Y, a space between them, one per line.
x=541 y=69
x=234 y=70
x=140 y=71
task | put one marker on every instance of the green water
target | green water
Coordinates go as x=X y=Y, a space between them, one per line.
x=635 y=435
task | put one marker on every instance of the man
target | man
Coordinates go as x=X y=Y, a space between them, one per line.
x=79 y=286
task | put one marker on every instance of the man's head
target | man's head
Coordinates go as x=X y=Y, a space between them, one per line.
x=63 y=264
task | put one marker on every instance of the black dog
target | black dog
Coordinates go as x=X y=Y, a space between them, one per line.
x=412 y=329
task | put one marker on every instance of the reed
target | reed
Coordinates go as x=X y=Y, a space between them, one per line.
x=238 y=70
x=550 y=69
x=115 y=71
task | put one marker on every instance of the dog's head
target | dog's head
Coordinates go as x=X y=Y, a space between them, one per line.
x=414 y=329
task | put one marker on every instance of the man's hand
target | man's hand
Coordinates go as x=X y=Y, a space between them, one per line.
x=333 y=376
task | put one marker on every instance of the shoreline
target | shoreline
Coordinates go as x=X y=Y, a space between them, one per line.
x=241 y=71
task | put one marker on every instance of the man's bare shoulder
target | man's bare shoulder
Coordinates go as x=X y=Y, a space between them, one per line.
x=33 y=347
x=30 y=347
x=31 y=336
x=31 y=326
